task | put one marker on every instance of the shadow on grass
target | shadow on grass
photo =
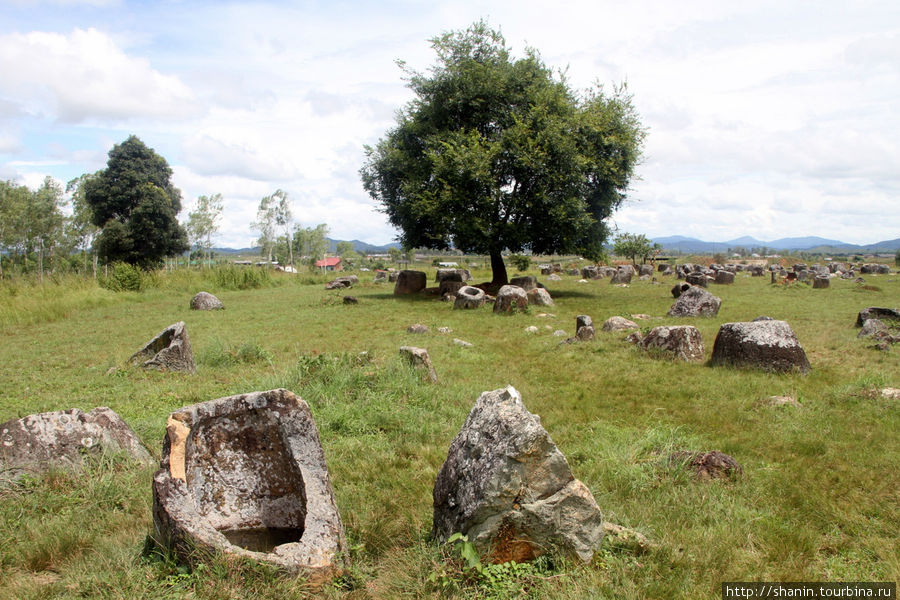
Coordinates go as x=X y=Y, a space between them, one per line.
x=571 y=294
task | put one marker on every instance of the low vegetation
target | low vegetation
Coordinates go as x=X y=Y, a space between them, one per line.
x=817 y=500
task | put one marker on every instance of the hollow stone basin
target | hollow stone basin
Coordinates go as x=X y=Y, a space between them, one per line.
x=246 y=475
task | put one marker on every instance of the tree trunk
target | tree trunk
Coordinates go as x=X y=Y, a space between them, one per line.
x=498 y=269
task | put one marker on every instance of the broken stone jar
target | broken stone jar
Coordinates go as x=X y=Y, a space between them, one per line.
x=246 y=475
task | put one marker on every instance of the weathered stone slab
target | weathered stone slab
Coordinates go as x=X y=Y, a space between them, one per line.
x=618 y=324
x=767 y=345
x=539 y=297
x=418 y=357
x=707 y=465
x=695 y=302
x=246 y=475
x=682 y=342
x=469 y=297
x=507 y=487
x=874 y=312
x=511 y=299
x=206 y=301
x=410 y=282
x=170 y=350
x=62 y=439
x=526 y=282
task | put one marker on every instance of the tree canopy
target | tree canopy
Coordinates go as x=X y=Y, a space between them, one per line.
x=496 y=153
x=135 y=203
x=632 y=245
x=203 y=222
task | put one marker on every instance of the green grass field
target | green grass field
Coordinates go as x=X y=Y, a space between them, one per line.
x=819 y=499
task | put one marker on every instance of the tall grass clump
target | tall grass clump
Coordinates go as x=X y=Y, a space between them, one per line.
x=122 y=277
x=26 y=301
x=240 y=278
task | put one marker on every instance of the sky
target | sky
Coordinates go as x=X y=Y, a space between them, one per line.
x=765 y=118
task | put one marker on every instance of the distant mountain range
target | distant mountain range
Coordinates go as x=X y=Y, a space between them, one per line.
x=361 y=247
x=684 y=245
x=813 y=244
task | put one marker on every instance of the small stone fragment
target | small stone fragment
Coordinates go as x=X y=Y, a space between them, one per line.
x=418 y=357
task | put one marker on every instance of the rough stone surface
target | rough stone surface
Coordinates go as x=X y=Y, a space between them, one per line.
x=418 y=357
x=237 y=466
x=621 y=276
x=448 y=286
x=350 y=300
x=531 y=329
x=697 y=279
x=618 y=324
x=469 y=297
x=585 y=333
x=410 y=282
x=452 y=275
x=695 y=302
x=462 y=343
x=510 y=299
x=874 y=312
x=820 y=283
x=680 y=288
x=206 y=301
x=539 y=297
x=724 y=277
x=891 y=393
x=417 y=328
x=683 y=342
x=766 y=345
x=872 y=327
x=707 y=465
x=170 y=350
x=526 y=282
x=583 y=321
x=507 y=487
x=63 y=439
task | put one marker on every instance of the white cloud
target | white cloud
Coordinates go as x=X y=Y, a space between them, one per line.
x=85 y=77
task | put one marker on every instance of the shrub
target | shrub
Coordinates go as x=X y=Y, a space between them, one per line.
x=520 y=261
x=123 y=277
x=241 y=278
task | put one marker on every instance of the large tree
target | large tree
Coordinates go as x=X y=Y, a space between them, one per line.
x=136 y=204
x=632 y=245
x=496 y=153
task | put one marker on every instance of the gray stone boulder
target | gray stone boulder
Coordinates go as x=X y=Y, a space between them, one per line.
x=469 y=297
x=766 y=345
x=618 y=324
x=507 y=487
x=206 y=301
x=697 y=279
x=410 y=282
x=246 y=475
x=695 y=302
x=418 y=358
x=526 y=282
x=539 y=297
x=170 y=350
x=449 y=286
x=622 y=276
x=417 y=328
x=872 y=327
x=452 y=275
x=875 y=269
x=820 y=283
x=682 y=342
x=380 y=276
x=724 y=277
x=873 y=312
x=63 y=439
x=680 y=288
x=510 y=299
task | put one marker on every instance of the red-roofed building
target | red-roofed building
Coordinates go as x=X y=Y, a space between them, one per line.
x=330 y=263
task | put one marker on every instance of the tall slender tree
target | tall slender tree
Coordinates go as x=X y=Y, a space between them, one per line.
x=203 y=222
x=265 y=225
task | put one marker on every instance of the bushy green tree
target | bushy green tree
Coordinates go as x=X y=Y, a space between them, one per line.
x=135 y=203
x=631 y=245
x=311 y=243
x=499 y=153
